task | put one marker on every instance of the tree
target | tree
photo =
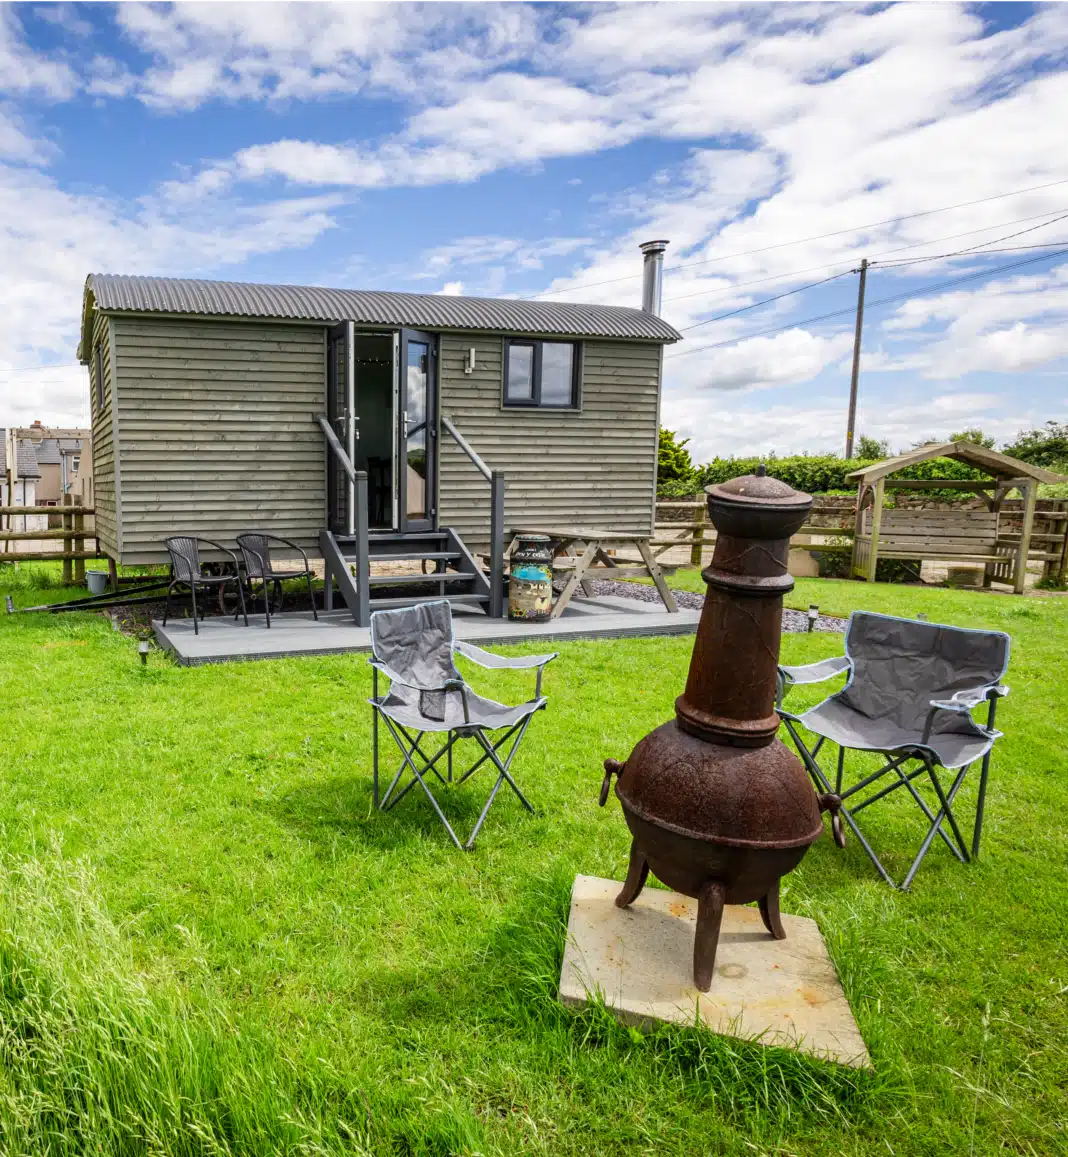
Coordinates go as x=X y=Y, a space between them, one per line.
x=974 y=435
x=673 y=462
x=1047 y=446
x=872 y=448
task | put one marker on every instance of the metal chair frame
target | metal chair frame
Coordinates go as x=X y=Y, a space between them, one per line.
x=258 y=566
x=897 y=760
x=186 y=570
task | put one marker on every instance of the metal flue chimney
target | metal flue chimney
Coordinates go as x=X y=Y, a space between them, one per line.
x=652 y=274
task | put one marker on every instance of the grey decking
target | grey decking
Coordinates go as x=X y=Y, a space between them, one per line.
x=291 y=635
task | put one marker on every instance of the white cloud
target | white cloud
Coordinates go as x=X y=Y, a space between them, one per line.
x=22 y=70
x=232 y=51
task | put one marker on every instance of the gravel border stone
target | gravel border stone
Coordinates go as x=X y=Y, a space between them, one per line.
x=793 y=622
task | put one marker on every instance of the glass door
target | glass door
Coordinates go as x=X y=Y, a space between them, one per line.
x=340 y=412
x=417 y=430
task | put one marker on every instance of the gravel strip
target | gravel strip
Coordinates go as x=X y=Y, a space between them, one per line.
x=793 y=622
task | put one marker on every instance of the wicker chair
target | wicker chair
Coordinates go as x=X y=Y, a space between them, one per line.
x=255 y=548
x=187 y=571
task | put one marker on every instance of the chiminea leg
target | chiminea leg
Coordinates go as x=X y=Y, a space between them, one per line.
x=769 y=912
x=706 y=938
x=637 y=874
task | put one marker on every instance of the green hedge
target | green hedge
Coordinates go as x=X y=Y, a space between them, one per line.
x=815 y=474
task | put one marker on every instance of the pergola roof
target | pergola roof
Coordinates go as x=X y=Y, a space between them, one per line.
x=998 y=465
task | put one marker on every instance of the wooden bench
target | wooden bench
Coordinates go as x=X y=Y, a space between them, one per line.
x=932 y=536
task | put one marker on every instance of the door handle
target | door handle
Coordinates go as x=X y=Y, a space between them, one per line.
x=404 y=424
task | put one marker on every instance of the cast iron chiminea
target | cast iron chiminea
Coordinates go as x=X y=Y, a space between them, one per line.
x=718 y=807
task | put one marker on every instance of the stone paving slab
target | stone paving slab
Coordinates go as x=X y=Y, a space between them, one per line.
x=222 y=640
x=782 y=992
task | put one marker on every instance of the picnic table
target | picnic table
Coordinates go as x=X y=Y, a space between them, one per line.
x=595 y=562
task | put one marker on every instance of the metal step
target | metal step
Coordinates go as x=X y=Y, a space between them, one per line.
x=448 y=576
x=387 y=604
x=415 y=556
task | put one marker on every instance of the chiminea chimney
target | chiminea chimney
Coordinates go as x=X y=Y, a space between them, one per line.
x=652 y=274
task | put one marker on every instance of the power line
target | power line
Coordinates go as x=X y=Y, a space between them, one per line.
x=905 y=296
x=885 y=265
x=34 y=369
x=897 y=249
x=817 y=237
x=767 y=300
x=971 y=250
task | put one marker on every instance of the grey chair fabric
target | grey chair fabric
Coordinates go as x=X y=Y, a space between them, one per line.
x=414 y=648
x=899 y=669
x=911 y=688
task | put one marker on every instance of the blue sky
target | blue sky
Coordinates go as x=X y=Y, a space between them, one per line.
x=527 y=149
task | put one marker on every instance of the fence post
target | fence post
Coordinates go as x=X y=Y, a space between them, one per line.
x=363 y=561
x=68 y=525
x=698 y=543
x=496 y=607
x=1062 y=566
x=79 y=545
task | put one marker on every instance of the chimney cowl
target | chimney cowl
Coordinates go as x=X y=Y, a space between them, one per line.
x=652 y=274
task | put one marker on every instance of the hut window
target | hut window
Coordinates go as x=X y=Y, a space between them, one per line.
x=99 y=368
x=542 y=374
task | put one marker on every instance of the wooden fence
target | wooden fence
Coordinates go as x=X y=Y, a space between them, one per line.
x=72 y=533
x=683 y=523
x=676 y=530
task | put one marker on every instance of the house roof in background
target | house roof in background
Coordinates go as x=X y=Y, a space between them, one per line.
x=48 y=452
x=119 y=293
x=27 y=459
x=994 y=463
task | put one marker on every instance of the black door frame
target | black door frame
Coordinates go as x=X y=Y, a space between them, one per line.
x=341 y=414
x=408 y=525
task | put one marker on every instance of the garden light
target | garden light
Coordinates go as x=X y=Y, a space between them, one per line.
x=142 y=650
x=813 y=615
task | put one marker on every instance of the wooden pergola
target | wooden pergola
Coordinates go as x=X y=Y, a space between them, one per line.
x=974 y=536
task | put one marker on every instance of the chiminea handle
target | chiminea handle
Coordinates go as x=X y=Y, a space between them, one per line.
x=829 y=802
x=611 y=767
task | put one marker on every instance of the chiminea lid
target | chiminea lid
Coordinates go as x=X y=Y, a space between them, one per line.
x=759 y=489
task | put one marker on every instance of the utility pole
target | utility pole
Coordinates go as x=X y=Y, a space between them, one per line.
x=856 y=359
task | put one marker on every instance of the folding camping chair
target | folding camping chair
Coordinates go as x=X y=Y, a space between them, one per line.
x=911 y=689
x=414 y=647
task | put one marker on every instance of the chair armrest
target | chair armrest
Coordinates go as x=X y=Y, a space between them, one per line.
x=970 y=698
x=965 y=701
x=808 y=673
x=490 y=660
x=815 y=672
x=292 y=545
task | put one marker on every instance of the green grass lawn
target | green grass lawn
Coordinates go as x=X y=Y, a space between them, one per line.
x=210 y=943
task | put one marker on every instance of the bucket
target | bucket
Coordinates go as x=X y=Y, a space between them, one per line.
x=530 y=587
x=96 y=581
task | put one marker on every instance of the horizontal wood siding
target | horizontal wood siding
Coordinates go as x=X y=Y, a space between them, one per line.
x=595 y=466
x=216 y=431
x=105 y=478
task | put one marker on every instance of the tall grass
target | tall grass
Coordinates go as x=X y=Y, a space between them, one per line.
x=96 y=1057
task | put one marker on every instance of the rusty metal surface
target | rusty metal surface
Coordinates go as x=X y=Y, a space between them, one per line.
x=718 y=808
x=741 y=797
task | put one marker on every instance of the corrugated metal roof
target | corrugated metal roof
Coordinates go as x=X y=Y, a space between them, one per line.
x=114 y=292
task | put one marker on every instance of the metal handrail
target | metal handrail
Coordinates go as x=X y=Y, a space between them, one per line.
x=466 y=447
x=496 y=480
x=335 y=445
